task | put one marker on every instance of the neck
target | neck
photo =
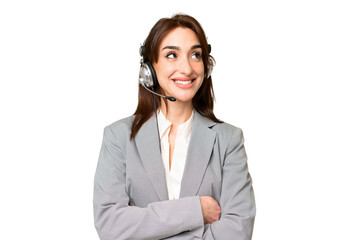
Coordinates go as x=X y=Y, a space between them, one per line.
x=177 y=112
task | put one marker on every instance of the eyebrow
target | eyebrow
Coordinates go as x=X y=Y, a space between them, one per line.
x=178 y=48
x=195 y=46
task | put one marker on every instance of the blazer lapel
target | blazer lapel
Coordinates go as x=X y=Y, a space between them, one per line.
x=200 y=148
x=147 y=143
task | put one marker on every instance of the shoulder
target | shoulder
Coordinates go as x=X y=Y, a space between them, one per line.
x=226 y=130
x=124 y=123
x=228 y=134
x=119 y=130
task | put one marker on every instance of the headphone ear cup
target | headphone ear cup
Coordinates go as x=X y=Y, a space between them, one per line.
x=147 y=75
x=153 y=74
x=142 y=50
x=210 y=68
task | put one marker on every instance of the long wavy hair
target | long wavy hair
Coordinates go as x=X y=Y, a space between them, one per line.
x=203 y=101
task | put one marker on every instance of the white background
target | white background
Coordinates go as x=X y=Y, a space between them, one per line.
x=287 y=73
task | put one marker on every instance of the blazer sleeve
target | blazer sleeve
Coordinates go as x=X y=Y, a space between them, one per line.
x=237 y=200
x=115 y=219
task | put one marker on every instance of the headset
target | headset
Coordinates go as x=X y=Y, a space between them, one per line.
x=147 y=73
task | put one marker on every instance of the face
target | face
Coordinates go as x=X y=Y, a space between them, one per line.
x=180 y=69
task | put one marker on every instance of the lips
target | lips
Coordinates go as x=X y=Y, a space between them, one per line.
x=183 y=82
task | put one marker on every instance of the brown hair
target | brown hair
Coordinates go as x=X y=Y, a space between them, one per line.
x=203 y=101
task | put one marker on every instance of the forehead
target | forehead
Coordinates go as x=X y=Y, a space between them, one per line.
x=181 y=37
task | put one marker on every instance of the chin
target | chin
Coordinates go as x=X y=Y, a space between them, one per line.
x=183 y=98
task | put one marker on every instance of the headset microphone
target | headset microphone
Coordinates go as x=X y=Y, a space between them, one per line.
x=166 y=97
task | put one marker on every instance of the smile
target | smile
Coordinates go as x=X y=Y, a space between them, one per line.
x=184 y=82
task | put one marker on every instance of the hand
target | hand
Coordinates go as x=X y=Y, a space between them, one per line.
x=210 y=209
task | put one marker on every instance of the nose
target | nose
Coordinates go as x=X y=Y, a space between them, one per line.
x=185 y=66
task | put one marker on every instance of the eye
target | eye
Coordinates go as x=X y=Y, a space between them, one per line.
x=196 y=55
x=171 y=55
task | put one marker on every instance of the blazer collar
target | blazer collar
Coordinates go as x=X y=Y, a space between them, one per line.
x=200 y=147
x=148 y=146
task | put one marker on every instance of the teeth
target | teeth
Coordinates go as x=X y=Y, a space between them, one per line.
x=184 y=82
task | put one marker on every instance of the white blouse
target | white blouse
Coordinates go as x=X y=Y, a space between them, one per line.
x=174 y=176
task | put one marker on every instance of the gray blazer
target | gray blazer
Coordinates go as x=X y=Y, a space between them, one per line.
x=130 y=194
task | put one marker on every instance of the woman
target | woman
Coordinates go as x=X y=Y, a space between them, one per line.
x=179 y=173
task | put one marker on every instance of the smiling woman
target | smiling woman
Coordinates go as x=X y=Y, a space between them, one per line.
x=180 y=69
x=176 y=172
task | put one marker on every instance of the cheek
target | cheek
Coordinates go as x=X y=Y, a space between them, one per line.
x=199 y=69
x=164 y=72
x=200 y=83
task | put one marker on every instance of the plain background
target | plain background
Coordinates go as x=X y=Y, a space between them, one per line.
x=287 y=73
